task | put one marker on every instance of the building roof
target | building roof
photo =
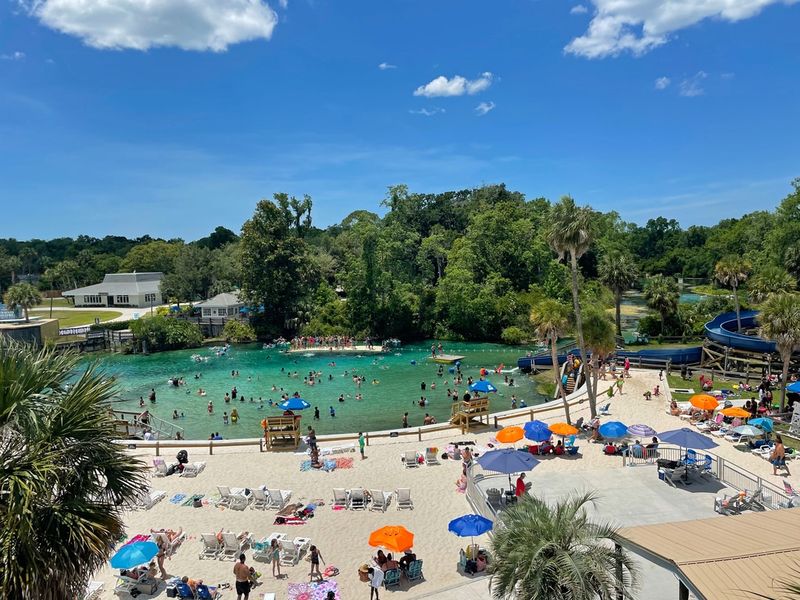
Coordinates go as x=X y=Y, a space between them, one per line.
x=222 y=301
x=725 y=557
x=121 y=284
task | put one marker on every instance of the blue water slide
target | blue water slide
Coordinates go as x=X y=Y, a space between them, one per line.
x=722 y=330
x=677 y=356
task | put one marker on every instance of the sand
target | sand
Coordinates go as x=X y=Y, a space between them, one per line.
x=341 y=536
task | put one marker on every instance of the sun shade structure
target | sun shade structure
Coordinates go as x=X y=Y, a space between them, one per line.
x=509 y=435
x=470 y=525
x=563 y=429
x=133 y=555
x=687 y=438
x=613 y=429
x=395 y=538
x=762 y=423
x=704 y=402
x=537 y=431
x=748 y=431
x=294 y=404
x=641 y=431
x=723 y=557
x=735 y=411
x=483 y=386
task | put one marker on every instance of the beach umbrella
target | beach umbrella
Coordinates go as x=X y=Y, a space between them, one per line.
x=748 y=431
x=563 y=429
x=704 y=402
x=133 y=555
x=392 y=537
x=294 y=404
x=735 y=411
x=613 y=429
x=537 y=431
x=641 y=431
x=762 y=423
x=507 y=461
x=483 y=386
x=687 y=438
x=509 y=435
x=470 y=526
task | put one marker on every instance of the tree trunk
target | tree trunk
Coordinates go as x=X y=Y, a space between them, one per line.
x=617 y=303
x=785 y=372
x=27 y=320
x=736 y=304
x=557 y=375
x=579 y=327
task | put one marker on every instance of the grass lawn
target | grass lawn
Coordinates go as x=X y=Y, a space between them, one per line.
x=76 y=318
x=57 y=302
x=675 y=381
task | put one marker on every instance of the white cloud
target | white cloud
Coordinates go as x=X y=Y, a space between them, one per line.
x=457 y=86
x=638 y=26
x=140 y=25
x=693 y=86
x=662 y=83
x=578 y=9
x=284 y=3
x=384 y=65
x=17 y=55
x=484 y=107
x=427 y=112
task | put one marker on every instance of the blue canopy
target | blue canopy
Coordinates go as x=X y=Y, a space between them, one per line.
x=507 y=460
x=470 y=525
x=687 y=438
x=294 y=404
x=483 y=386
x=613 y=429
x=133 y=555
x=537 y=431
x=794 y=387
x=762 y=422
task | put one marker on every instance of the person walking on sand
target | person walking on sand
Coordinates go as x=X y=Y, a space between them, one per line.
x=778 y=457
x=620 y=383
x=275 y=550
x=315 y=555
x=242 y=573
x=375 y=582
x=361 y=444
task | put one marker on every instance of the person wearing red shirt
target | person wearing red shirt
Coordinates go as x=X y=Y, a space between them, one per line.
x=520 y=490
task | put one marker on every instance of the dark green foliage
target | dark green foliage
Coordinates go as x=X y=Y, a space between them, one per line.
x=166 y=333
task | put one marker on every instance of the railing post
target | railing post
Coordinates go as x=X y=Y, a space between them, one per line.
x=210 y=447
x=419 y=433
x=158 y=448
x=367 y=437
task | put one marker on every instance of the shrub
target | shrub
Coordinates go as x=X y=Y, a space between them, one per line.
x=238 y=331
x=112 y=326
x=513 y=335
x=166 y=333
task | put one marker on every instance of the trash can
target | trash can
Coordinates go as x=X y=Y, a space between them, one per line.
x=661 y=474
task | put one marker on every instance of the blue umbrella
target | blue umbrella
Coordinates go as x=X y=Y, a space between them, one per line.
x=508 y=461
x=133 y=555
x=294 y=404
x=762 y=423
x=794 y=387
x=470 y=525
x=613 y=429
x=537 y=431
x=687 y=438
x=483 y=386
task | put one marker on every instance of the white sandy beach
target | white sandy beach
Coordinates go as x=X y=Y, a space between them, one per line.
x=341 y=536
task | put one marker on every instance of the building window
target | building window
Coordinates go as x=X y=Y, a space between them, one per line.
x=232 y=311
x=206 y=312
x=122 y=300
x=149 y=297
x=92 y=300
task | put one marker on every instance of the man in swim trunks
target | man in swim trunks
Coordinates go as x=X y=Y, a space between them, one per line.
x=242 y=573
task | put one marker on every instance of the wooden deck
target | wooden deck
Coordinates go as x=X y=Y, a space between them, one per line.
x=446 y=359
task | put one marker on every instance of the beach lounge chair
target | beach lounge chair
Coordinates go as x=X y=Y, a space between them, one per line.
x=721 y=432
x=93 y=590
x=232 y=546
x=342 y=449
x=494 y=497
x=171 y=546
x=291 y=551
x=414 y=571
x=410 y=460
x=278 y=498
x=790 y=491
x=706 y=466
x=404 y=498
x=690 y=459
x=261 y=550
x=430 y=456
x=206 y=593
x=193 y=469
x=380 y=500
x=211 y=545
x=391 y=578
x=734 y=438
x=184 y=591
x=260 y=499
x=150 y=498
x=160 y=468
x=604 y=410
x=763 y=451
x=356 y=499
x=734 y=505
x=340 y=497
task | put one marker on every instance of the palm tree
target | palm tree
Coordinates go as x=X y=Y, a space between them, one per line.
x=555 y=552
x=64 y=481
x=780 y=322
x=570 y=234
x=733 y=270
x=770 y=280
x=618 y=272
x=598 y=330
x=662 y=296
x=551 y=319
x=24 y=296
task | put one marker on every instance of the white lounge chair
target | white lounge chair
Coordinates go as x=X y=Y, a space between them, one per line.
x=380 y=500
x=340 y=497
x=604 y=410
x=161 y=469
x=260 y=499
x=93 y=590
x=232 y=546
x=337 y=449
x=430 y=456
x=235 y=498
x=356 y=499
x=404 y=498
x=278 y=498
x=291 y=550
x=170 y=545
x=211 y=545
x=193 y=469
x=410 y=459
x=150 y=498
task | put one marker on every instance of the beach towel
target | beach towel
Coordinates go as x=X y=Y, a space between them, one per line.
x=177 y=498
x=313 y=591
x=344 y=463
x=289 y=521
x=327 y=465
x=191 y=499
x=138 y=538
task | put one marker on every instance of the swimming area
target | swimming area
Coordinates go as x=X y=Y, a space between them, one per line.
x=397 y=387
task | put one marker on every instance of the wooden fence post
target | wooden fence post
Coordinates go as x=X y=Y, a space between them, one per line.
x=157 y=448
x=367 y=436
x=210 y=447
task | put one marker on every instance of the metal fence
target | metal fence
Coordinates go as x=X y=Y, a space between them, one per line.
x=74 y=330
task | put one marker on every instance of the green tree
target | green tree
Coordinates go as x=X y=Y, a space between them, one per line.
x=192 y=274
x=155 y=256
x=733 y=270
x=551 y=319
x=65 y=482
x=780 y=322
x=9 y=265
x=662 y=295
x=544 y=552
x=24 y=296
x=238 y=331
x=161 y=332
x=618 y=271
x=768 y=281
x=570 y=234
x=600 y=340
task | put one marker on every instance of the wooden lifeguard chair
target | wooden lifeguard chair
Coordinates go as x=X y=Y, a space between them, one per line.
x=469 y=413
x=282 y=431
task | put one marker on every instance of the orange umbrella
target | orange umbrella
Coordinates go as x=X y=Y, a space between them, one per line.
x=704 y=402
x=509 y=435
x=735 y=411
x=392 y=537
x=563 y=429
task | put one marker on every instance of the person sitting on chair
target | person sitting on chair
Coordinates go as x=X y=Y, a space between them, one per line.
x=407 y=558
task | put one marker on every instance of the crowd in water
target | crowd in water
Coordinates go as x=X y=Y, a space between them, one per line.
x=331 y=342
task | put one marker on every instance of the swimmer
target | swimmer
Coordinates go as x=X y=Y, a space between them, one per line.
x=234 y=416
x=174 y=414
x=210 y=407
x=375 y=382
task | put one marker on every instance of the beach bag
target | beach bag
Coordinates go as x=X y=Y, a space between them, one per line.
x=197 y=503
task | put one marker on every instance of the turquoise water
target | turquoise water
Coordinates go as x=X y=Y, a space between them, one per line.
x=382 y=406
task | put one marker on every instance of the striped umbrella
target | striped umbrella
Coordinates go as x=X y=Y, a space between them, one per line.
x=641 y=431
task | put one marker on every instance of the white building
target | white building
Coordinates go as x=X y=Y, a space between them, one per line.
x=222 y=306
x=138 y=290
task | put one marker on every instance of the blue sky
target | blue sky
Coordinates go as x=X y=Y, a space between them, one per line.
x=174 y=116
